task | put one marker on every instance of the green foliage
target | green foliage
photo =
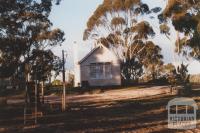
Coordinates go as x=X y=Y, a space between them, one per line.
x=151 y=58
x=117 y=21
x=70 y=81
x=168 y=68
x=24 y=28
x=183 y=77
x=169 y=72
x=115 y=24
x=185 y=17
x=132 y=70
x=172 y=77
x=180 y=76
x=56 y=82
x=164 y=29
x=43 y=62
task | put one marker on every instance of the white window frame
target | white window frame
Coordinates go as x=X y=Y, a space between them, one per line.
x=104 y=74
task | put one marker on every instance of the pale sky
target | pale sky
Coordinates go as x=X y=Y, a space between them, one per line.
x=71 y=16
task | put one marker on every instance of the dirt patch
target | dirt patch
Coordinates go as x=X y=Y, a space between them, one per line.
x=123 y=110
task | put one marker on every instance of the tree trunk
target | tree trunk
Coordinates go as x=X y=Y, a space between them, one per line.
x=42 y=92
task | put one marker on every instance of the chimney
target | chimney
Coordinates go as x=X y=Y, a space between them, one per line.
x=76 y=65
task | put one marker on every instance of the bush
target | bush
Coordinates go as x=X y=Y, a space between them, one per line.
x=159 y=81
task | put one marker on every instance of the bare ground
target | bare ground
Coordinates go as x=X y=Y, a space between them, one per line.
x=123 y=110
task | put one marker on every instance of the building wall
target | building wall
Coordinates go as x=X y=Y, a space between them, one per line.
x=101 y=55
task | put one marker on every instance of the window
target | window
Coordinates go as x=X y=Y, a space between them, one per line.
x=93 y=71
x=100 y=70
x=107 y=69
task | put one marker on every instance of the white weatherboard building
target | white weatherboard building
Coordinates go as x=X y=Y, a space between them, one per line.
x=100 y=67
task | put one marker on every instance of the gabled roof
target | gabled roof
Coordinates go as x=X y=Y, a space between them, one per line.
x=91 y=52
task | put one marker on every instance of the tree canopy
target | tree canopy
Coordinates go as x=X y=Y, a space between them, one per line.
x=43 y=62
x=24 y=28
x=118 y=25
x=185 y=17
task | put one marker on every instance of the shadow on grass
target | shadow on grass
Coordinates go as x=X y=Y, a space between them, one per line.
x=147 y=114
x=95 y=90
x=125 y=115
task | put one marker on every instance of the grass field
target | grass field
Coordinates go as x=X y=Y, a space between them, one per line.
x=139 y=109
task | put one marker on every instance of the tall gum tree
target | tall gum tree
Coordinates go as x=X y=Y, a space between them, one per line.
x=185 y=17
x=120 y=25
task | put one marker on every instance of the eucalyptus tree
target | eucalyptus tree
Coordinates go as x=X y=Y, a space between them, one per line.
x=132 y=70
x=120 y=26
x=152 y=60
x=168 y=68
x=25 y=27
x=43 y=63
x=183 y=77
x=185 y=17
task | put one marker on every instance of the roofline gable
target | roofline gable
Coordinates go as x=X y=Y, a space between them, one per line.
x=87 y=55
x=92 y=51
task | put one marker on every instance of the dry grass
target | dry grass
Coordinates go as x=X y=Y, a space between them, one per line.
x=121 y=110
